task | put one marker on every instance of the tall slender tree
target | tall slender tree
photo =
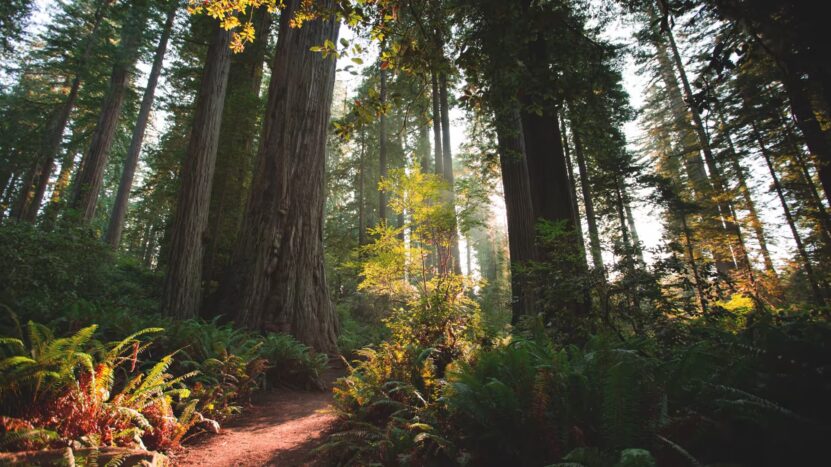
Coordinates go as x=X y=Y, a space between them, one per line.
x=119 y=210
x=183 y=283
x=91 y=176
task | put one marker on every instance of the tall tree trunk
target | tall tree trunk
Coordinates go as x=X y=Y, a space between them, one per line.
x=88 y=183
x=689 y=144
x=183 y=283
x=360 y=194
x=815 y=139
x=588 y=203
x=382 y=146
x=800 y=247
x=423 y=150
x=31 y=194
x=437 y=136
x=820 y=213
x=518 y=207
x=236 y=149
x=633 y=230
x=699 y=283
x=279 y=280
x=447 y=165
x=572 y=182
x=547 y=167
x=749 y=203
x=721 y=201
x=116 y=226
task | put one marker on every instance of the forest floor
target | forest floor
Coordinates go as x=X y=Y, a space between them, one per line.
x=281 y=428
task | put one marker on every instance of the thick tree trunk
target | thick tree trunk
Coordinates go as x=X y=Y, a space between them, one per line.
x=116 y=226
x=183 y=283
x=279 y=281
x=447 y=164
x=236 y=149
x=815 y=139
x=518 y=207
x=31 y=194
x=89 y=180
x=547 y=167
x=585 y=184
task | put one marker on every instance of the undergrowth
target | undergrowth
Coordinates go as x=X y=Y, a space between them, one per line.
x=69 y=375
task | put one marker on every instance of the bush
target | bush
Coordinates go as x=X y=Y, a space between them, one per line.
x=70 y=281
x=57 y=390
x=706 y=396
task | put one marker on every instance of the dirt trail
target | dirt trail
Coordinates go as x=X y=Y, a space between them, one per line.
x=280 y=429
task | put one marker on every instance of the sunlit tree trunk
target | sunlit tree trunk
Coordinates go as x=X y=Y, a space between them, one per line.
x=447 y=163
x=278 y=280
x=382 y=145
x=437 y=136
x=572 y=181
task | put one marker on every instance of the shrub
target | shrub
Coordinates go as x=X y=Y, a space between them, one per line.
x=707 y=396
x=57 y=390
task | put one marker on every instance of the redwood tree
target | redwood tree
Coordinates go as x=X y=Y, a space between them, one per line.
x=278 y=279
x=183 y=283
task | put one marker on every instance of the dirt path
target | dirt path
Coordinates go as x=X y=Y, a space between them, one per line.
x=280 y=429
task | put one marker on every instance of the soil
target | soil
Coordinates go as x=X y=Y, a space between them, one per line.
x=281 y=428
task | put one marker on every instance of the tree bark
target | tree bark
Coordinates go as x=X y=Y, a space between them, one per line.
x=382 y=146
x=119 y=211
x=183 y=283
x=50 y=213
x=518 y=206
x=572 y=182
x=588 y=203
x=360 y=194
x=437 y=135
x=89 y=180
x=816 y=141
x=279 y=281
x=236 y=149
x=447 y=165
